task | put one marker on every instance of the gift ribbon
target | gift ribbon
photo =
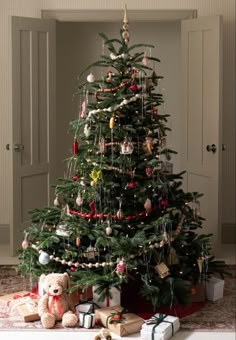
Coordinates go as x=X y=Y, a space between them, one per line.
x=23 y=298
x=156 y=320
x=55 y=299
x=119 y=314
x=83 y=319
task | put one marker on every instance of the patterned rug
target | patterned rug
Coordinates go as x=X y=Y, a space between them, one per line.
x=214 y=316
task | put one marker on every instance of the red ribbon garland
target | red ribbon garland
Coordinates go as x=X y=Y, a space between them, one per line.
x=55 y=299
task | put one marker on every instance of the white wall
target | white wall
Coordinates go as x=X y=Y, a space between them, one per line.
x=32 y=8
x=79 y=45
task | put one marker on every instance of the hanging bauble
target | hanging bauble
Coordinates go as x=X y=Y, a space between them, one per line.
x=125 y=36
x=112 y=122
x=148 y=205
x=133 y=87
x=145 y=60
x=87 y=130
x=148 y=145
x=119 y=214
x=162 y=270
x=77 y=241
x=75 y=178
x=108 y=230
x=79 y=199
x=102 y=145
x=90 y=78
x=96 y=175
x=91 y=252
x=113 y=56
x=44 y=258
x=121 y=267
x=164 y=202
x=132 y=185
x=148 y=171
x=75 y=147
x=62 y=230
x=126 y=147
x=57 y=202
x=25 y=244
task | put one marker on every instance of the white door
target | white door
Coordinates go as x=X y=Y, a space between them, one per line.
x=33 y=121
x=201 y=121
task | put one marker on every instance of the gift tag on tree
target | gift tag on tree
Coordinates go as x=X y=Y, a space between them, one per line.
x=162 y=270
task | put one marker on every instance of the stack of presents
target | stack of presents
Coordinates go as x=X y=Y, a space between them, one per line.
x=113 y=314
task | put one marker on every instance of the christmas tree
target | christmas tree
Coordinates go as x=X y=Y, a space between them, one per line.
x=121 y=212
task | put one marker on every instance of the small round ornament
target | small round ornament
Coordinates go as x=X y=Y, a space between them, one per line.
x=108 y=230
x=25 y=244
x=119 y=214
x=57 y=202
x=148 y=205
x=90 y=78
x=44 y=258
x=79 y=199
x=75 y=178
x=132 y=185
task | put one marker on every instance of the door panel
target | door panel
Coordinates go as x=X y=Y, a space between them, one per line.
x=202 y=107
x=33 y=71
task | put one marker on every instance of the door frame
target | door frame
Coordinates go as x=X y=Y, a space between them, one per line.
x=115 y=15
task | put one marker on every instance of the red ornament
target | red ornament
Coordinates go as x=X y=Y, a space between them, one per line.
x=132 y=185
x=148 y=171
x=75 y=177
x=72 y=269
x=133 y=87
x=75 y=147
x=164 y=202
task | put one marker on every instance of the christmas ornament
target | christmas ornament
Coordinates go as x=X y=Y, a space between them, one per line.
x=77 y=241
x=87 y=130
x=90 y=78
x=162 y=270
x=121 y=267
x=200 y=262
x=92 y=209
x=108 y=230
x=148 y=145
x=43 y=257
x=132 y=185
x=79 y=199
x=75 y=147
x=96 y=175
x=120 y=214
x=62 y=230
x=91 y=253
x=67 y=210
x=109 y=76
x=145 y=60
x=126 y=147
x=83 y=109
x=125 y=33
x=57 y=202
x=148 y=171
x=102 y=145
x=75 y=178
x=25 y=244
x=133 y=87
x=148 y=205
x=112 y=122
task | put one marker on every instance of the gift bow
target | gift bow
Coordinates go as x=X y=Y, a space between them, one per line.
x=156 y=320
x=116 y=317
x=55 y=299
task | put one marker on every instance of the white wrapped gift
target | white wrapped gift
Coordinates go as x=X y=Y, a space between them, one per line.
x=160 y=327
x=87 y=320
x=115 y=300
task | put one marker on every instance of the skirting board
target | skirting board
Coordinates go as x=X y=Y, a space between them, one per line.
x=5 y=234
x=229 y=233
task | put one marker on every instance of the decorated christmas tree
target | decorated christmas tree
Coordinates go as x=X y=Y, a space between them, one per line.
x=120 y=212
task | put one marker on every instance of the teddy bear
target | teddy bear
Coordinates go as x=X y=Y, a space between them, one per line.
x=55 y=304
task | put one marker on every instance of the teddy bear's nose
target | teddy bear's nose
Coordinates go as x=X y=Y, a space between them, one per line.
x=55 y=291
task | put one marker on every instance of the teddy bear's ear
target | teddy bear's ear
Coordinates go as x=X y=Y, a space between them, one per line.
x=66 y=277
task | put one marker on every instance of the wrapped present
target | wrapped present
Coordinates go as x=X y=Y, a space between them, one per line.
x=214 y=289
x=26 y=303
x=118 y=320
x=11 y=299
x=160 y=327
x=86 y=320
x=108 y=302
x=84 y=307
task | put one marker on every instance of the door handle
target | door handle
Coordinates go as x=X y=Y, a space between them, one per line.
x=211 y=148
x=18 y=147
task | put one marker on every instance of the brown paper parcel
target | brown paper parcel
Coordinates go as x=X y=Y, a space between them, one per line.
x=130 y=322
x=29 y=310
x=11 y=299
